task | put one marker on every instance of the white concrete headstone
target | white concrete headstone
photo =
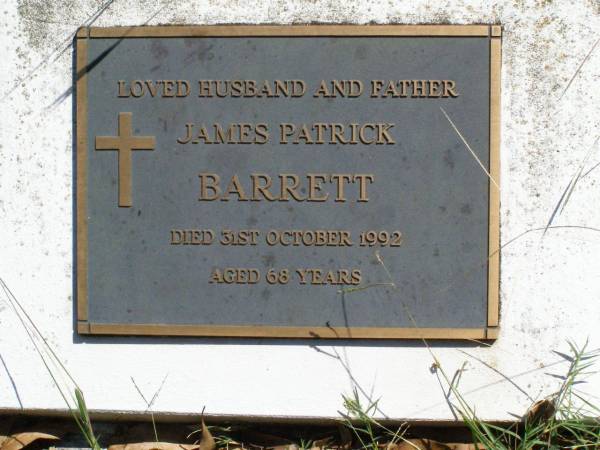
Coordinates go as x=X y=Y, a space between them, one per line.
x=550 y=281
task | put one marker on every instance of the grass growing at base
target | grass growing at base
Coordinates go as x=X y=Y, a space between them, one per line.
x=564 y=420
x=61 y=377
x=370 y=432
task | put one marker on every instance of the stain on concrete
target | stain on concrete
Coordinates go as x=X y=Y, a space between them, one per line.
x=42 y=19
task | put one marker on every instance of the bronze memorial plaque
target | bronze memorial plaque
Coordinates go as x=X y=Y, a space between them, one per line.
x=288 y=181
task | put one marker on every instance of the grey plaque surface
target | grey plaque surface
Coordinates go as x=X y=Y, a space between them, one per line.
x=427 y=185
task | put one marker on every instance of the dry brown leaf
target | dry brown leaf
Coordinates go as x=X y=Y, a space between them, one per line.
x=20 y=440
x=540 y=411
x=207 y=442
x=153 y=446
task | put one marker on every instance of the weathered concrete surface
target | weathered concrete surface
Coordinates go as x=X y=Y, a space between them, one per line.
x=550 y=283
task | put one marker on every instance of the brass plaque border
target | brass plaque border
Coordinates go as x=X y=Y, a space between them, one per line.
x=490 y=332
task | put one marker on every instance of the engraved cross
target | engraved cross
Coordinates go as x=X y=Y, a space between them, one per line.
x=124 y=143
